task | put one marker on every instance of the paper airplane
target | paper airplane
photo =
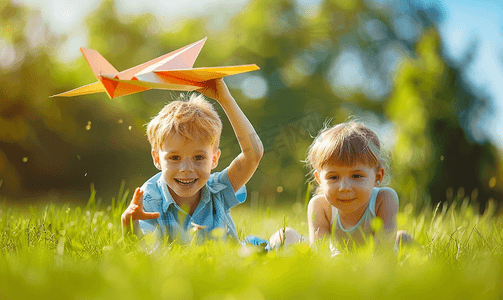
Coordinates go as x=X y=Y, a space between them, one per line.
x=172 y=71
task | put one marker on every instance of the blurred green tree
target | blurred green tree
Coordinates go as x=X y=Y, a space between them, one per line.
x=439 y=154
x=58 y=144
x=381 y=63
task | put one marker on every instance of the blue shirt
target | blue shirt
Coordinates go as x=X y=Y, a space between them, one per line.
x=213 y=210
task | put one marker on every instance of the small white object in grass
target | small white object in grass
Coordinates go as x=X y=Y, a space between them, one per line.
x=285 y=237
x=335 y=252
x=197 y=227
x=85 y=175
x=88 y=127
x=130 y=128
x=245 y=251
x=25 y=159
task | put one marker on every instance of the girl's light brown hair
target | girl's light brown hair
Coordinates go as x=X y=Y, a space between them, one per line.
x=346 y=144
x=193 y=118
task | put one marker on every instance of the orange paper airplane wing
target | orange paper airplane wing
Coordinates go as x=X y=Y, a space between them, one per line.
x=124 y=87
x=200 y=75
x=116 y=87
x=99 y=65
x=172 y=71
x=92 y=88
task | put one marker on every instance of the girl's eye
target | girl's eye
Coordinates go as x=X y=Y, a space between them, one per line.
x=333 y=177
x=357 y=176
x=199 y=157
x=175 y=157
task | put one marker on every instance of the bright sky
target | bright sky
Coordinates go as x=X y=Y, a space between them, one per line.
x=482 y=20
x=464 y=21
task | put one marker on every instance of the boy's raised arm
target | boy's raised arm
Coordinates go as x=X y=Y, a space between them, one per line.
x=244 y=165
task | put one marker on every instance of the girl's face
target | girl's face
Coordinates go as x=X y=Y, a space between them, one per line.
x=348 y=188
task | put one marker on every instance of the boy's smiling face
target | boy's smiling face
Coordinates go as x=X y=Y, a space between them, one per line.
x=186 y=166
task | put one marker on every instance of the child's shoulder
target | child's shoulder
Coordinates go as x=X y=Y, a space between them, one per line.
x=221 y=187
x=319 y=203
x=218 y=177
x=386 y=198
x=219 y=181
x=387 y=193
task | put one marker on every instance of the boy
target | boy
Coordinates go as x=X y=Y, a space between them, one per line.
x=184 y=137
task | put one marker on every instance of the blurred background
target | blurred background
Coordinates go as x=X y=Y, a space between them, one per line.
x=425 y=75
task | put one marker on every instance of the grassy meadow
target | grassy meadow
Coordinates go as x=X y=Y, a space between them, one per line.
x=72 y=252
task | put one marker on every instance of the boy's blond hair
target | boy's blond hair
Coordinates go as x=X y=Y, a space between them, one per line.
x=193 y=118
x=346 y=144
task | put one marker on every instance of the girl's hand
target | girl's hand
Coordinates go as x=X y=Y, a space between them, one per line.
x=135 y=210
x=216 y=89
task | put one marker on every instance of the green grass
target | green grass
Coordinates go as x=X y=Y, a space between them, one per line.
x=72 y=252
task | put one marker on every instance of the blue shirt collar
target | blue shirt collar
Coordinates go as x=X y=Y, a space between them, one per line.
x=206 y=192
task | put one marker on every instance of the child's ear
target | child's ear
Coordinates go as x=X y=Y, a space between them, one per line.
x=155 y=158
x=215 y=158
x=379 y=176
x=317 y=177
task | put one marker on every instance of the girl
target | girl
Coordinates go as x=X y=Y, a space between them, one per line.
x=348 y=165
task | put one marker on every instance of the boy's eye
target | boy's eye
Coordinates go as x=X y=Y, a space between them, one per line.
x=333 y=177
x=199 y=157
x=357 y=176
x=175 y=157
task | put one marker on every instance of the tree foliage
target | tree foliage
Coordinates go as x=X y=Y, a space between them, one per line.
x=435 y=113
x=383 y=64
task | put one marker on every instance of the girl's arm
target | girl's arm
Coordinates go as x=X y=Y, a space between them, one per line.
x=387 y=210
x=319 y=214
x=244 y=165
